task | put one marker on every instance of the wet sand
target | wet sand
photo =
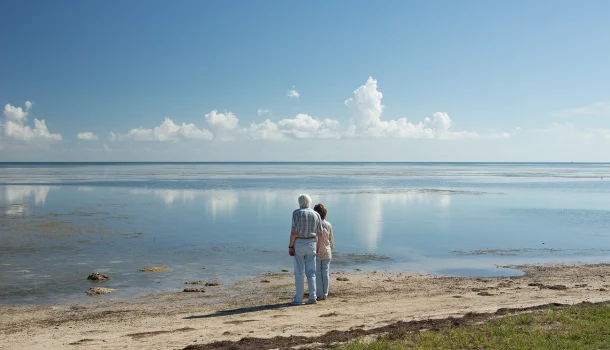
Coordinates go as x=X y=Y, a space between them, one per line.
x=364 y=303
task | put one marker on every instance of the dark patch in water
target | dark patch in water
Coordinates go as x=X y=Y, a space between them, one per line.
x=480 y=272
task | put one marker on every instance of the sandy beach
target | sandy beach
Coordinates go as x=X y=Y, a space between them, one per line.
x=360 y=303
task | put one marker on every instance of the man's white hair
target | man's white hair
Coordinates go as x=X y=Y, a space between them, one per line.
x=304 y=201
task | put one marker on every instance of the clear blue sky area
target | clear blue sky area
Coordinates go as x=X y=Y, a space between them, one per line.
x=497 y=80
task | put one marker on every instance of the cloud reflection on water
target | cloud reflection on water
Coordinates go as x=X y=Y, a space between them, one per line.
x=369 y=220
x=216 y=201
x=16 y=197
x=168 y=196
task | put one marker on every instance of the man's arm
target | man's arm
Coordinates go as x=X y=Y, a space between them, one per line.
x=293 y=235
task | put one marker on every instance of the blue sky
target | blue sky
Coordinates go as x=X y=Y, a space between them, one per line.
x=497 y=81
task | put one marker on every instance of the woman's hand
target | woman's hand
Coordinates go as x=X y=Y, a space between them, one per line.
x=291 y=251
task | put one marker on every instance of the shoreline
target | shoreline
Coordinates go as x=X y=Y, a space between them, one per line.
x=258 y=308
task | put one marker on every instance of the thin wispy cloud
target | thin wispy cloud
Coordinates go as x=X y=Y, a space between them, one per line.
x=599 y=109
x=263 y=112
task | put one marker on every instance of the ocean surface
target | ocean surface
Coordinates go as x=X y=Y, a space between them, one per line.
x=231 y=221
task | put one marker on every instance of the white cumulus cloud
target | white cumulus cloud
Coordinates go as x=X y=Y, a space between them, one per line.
x=15 y=125
x=365 y=106
x=17 y=114
x=292 y=93
x=226 y=121
x=367 y=110
x=168 y=131
x=223 y=125
x=304 y=126
x=87 y=135
x=266 y=130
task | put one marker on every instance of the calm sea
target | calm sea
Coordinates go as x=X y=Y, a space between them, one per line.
x=231 y=221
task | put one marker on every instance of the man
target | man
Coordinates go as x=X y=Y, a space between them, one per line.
x=306 y=225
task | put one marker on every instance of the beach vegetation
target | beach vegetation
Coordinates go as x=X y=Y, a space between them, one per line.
x=576 y=327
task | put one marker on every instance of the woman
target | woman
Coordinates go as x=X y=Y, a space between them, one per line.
x=326 y=243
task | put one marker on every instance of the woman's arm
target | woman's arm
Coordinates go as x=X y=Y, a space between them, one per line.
x=331 y=237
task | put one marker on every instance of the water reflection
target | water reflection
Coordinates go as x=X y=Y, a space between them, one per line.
x=168 y=196
x=16 y=197
x=221 y=202
x=369 y=221
x=85 y=189
x=216 y=201
x=15 y=194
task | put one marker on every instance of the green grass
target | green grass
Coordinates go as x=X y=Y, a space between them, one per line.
x=577 y=327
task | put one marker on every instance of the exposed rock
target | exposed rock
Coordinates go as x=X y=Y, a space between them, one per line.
x=485 y=294
x=193 y=290
x=343 y=279
x=156 y=269
x=556 y=287
x=194 y=282
x=95 y=291
x=265 y=281
x=284 y=270
x=98 y=277
x=212 y=284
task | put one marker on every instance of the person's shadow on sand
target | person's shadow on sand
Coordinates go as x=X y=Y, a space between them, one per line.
x=243 y=310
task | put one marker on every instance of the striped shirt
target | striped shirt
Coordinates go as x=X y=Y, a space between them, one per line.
x=306 y=222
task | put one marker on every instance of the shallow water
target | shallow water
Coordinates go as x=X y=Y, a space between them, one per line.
x=60 y=222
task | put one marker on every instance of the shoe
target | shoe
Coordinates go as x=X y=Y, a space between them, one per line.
x=321 y=298
x=294 y=303
x=311 y=301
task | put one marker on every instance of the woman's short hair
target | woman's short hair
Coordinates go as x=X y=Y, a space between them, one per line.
x=304 y=201
x=321 y=209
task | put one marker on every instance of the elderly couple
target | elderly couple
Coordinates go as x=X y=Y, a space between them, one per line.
x=311 y=241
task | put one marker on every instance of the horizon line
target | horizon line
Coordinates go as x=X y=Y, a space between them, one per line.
x=301 y=162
